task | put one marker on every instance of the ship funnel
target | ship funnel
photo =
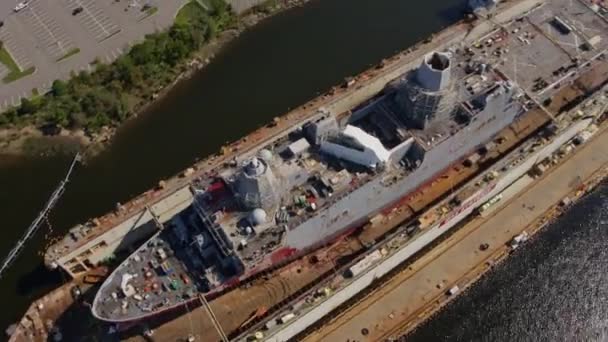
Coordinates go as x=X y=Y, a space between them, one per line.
x=429 y=92
x=434 y=73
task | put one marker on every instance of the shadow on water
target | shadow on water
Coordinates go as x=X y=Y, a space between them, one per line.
x=39 y=277
x=280 y=64
x=453 y=12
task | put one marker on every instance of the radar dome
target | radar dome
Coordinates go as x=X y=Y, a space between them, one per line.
x=258 y=216
x=265 y=155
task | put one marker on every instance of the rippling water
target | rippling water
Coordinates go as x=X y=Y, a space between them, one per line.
x=555 y=288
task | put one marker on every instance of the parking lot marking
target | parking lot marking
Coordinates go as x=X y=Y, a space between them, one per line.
x=94 y=19
x=47 y=31
x=88 y=12
x=11 y=45
x=43 y=25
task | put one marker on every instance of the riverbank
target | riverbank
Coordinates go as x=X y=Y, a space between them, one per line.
x=26 y=136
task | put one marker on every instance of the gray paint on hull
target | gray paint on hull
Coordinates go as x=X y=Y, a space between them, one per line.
x=373 y=196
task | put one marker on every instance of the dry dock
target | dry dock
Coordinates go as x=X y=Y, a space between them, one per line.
x=411 y=296
x=104 y=234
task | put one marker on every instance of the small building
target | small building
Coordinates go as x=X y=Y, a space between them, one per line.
x=298 y=147
x=357 y=146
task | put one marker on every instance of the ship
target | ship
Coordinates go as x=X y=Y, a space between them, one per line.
x=320 y=181
x=328 y=175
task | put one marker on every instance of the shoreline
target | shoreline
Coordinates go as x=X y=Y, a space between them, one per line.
x=30 y=140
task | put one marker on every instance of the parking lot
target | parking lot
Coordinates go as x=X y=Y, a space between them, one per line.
x=52 y=38
x=18 y=53
x=93 y=19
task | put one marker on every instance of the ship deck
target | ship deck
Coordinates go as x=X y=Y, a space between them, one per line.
x=160 y=274
x=289 y=281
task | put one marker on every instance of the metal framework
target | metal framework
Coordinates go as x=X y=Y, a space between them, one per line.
x=42 y=215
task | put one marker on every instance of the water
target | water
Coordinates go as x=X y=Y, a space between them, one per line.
x=552 y=289
x=280 y=64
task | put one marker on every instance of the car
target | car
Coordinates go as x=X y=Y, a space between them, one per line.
x=77 y=10
x=1 y=23
x=20 y=6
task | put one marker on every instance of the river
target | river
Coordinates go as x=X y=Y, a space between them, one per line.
x=281 y=63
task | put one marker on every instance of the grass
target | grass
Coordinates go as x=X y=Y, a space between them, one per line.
x=15 y=75
x=151 y=10
x=7 y=59
x=15 y=72
x=69 y=54
x=190 y=12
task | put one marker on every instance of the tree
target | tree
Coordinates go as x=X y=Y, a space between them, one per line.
x=27 y=107
x=123 y=71
x=59 y=88
x=4 y=119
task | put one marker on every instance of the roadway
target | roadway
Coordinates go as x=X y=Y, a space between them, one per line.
x=414 y=293
x=42 y=35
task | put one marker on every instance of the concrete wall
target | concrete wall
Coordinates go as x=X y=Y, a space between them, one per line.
x=137 y=227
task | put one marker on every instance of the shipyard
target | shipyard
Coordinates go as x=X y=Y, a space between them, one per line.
x=306 y=228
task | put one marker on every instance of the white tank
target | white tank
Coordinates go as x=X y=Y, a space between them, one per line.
x=265 y=155
x=258 y=216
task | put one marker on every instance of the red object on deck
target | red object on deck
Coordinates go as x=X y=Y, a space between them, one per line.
x=216 y=186
x=282 y=253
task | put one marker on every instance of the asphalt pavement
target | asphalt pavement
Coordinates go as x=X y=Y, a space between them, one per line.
x=58 y=37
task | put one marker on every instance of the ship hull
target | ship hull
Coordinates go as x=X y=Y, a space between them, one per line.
x=355 y=209
x=456 y=216
x=284 y=255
